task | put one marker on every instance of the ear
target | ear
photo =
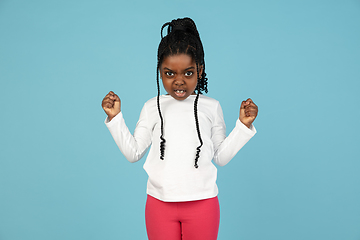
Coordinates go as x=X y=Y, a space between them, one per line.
x=201 y=69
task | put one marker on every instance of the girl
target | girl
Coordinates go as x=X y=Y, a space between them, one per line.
x=186 y=131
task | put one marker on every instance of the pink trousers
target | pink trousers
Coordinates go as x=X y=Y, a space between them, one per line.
x=193 y=220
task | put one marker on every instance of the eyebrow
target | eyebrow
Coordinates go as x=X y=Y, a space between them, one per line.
x=186 y=69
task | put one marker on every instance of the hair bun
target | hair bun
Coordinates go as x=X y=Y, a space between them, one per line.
x=181 y=24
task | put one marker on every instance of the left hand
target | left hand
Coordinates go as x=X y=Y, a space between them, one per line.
x=248 y=112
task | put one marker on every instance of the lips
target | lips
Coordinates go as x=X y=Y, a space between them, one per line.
x=180 y=92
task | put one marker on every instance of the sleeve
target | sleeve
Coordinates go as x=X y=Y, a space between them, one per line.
x=225 y=148
x=133 y=147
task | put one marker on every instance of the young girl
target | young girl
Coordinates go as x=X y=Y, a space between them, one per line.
x=186 y=131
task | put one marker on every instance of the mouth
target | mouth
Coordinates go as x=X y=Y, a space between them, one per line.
x=180 y=93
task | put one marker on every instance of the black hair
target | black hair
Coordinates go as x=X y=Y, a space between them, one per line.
x=182 y=38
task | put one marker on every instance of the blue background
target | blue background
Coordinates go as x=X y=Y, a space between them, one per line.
x=61 y=174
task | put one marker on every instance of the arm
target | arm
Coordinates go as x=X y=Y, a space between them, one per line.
x=134 y=146
x=227 y=147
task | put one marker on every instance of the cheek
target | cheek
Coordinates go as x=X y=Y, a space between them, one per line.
x=192 y=85
x=166 y=84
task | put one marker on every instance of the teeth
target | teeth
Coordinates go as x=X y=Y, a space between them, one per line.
x=179 y=91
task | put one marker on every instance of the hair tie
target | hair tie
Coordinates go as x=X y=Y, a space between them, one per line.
x=172 y=26
x=168 y=24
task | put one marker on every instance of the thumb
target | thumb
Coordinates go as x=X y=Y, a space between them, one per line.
x=117 y=103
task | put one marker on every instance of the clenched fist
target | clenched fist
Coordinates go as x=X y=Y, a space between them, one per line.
x=248 y=112
x=111 y=105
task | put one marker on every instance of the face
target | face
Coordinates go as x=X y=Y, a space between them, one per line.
x=179 y=76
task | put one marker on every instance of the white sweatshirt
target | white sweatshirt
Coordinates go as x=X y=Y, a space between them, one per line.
x=175 y=178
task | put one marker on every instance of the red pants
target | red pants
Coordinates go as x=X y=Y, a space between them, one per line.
x=193 y=220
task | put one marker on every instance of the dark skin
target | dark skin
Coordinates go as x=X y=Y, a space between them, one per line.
x=248 y=112
x=179 y=77
x=111 y=105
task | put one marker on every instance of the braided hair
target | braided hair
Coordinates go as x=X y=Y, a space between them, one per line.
x=182 y=38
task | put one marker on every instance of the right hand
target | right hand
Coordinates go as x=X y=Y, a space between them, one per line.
x=111 y=105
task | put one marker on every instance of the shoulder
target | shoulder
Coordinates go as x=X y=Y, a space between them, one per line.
x=151 y=102
x=149 y=109
x=208 y=101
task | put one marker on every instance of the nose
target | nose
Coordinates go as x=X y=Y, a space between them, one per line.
x=179 y=81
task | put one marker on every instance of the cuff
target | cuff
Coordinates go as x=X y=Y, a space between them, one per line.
x=115 y=119
x=251 y=131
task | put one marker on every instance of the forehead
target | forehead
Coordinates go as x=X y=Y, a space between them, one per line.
x=178 y=61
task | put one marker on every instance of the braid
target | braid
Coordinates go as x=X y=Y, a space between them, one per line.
x=197 y=129
x=196 y=116
x=182 y=38
x=162 y=143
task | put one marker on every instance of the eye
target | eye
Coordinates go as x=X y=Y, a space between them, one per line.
x=189 y=73
x=169 y=74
